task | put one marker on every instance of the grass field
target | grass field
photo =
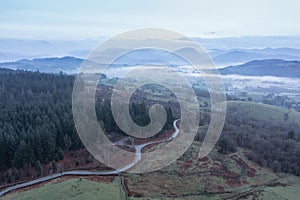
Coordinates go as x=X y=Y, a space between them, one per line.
x=264 y=111
x=71 y=189
x=278 y=193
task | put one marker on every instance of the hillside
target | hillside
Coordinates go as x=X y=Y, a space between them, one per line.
x=216 y=176
x=244 y=171
x=270 y=67
x=263 y=112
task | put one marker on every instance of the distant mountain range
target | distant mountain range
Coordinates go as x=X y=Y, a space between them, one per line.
x=48 y=65
x=224 y=51
x=270 y=67
x=220 y=57
x=267 y=67
x=70 y=47
x=147 y=57
x=70 y=64
x=239 y=56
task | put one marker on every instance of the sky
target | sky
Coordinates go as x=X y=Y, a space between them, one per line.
x=53 y=19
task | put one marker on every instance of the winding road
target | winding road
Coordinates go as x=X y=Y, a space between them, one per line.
x=138 y=158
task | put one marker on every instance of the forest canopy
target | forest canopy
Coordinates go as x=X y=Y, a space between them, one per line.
x=36 y=122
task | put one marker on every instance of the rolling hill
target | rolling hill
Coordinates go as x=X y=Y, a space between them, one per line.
x=270 y=67
x=264 y=112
